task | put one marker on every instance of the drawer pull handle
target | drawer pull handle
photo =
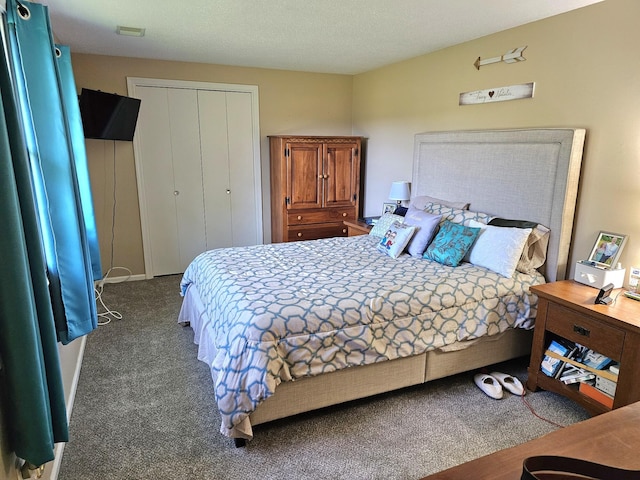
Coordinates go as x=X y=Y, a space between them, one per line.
x=581 y=331
x=299 y=234
x=344 y=214
x=299 y=217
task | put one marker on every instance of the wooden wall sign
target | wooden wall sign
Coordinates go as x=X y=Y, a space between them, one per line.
x=498 y=94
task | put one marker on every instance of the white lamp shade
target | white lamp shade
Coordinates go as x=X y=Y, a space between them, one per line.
x=399 y=191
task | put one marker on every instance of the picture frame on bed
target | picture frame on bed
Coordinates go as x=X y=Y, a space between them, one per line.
x=607 y=249
x=389 y=208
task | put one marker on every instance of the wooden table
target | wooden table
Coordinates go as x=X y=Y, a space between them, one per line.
x=612 y=438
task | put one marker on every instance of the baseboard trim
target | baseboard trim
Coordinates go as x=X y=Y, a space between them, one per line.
x=53 y=468
x=125 y=278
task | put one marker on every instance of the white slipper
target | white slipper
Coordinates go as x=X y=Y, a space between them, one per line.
x=512 y=384
x=488 y=385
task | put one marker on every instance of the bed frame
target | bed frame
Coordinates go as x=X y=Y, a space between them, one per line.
x=519 y=174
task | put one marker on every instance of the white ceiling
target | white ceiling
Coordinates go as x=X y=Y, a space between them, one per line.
x=330 y=36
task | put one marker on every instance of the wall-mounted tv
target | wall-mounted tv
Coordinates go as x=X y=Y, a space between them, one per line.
x=107 y=116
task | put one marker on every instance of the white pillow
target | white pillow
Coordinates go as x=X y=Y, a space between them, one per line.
x=497 y=248
x=396 y=239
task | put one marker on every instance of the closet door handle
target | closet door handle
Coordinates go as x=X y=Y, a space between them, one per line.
x=176 y=193
x=228 y=192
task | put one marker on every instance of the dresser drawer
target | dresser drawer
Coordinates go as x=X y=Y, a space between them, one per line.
x=323 y=215
x=578 y=328
x=314 y=232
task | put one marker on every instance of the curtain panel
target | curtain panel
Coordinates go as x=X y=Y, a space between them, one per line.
x=31 y=379
x=49 y=248
x=50 y=144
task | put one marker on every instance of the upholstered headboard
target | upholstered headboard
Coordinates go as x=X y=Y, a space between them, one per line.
x=517 y=174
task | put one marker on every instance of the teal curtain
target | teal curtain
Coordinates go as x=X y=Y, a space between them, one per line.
x=54 y=168
x=79 y=153
x=49 y=244
x=31 y=380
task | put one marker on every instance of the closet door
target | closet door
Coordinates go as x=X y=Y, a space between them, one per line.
x=243 y=178
x=187 y=175
x=227 y=165
x=170 y=159
x=215 y=169
x=155 y=164
x=198 y=166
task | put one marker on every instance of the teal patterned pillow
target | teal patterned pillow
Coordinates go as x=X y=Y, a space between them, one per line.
x=451 y=243
x=396 y=239
x=383 y=224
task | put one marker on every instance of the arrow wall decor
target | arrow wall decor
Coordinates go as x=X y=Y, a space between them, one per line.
x=512 y=56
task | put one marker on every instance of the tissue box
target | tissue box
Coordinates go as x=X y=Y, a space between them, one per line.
x=598 y=277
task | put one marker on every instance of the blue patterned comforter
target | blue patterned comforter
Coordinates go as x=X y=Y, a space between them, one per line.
x=284 y=311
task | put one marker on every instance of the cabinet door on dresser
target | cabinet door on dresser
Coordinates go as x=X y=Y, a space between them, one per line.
x=304 y=175
x=341 y=174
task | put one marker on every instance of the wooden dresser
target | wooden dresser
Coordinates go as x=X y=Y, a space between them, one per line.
x=315 y=186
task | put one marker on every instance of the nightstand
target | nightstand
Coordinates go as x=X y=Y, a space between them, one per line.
x=357 y=227
x=566 y=310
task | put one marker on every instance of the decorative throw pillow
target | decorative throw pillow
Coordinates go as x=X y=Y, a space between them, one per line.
x=497 y=248
x=383 y=224
x=421 y=201
x=427 y=224
x=396 y=239
x=534 y=253
x=400 y=210
x=456 y=215
x=451 y=243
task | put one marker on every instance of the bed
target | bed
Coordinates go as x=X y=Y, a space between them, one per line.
x=288 y=328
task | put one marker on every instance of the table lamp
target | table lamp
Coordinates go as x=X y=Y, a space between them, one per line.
x=399 y=192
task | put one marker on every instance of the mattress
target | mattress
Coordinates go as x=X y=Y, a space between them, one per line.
x=271 y=313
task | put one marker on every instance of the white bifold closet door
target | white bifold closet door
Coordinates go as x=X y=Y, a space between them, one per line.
x=195 y=154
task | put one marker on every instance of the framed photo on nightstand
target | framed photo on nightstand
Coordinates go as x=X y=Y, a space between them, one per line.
x=388 y=208
x=607 y=249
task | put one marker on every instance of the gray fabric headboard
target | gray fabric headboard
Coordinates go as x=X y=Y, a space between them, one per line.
x=517 y=174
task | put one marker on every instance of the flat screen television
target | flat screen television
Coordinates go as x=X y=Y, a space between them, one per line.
x=107 y=116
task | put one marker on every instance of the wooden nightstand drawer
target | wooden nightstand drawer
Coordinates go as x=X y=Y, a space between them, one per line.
x=321 y=216
x=581 y=329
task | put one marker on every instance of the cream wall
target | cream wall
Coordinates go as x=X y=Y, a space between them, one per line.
x=583 y=64
x=587 y=74
x=290 y=103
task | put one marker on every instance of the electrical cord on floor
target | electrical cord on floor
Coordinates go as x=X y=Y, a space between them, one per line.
x=108 y=314
x=528 y=405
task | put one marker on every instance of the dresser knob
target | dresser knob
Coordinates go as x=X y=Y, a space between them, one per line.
x=299 y=234
x=344 y=214
x=299 y=217
x=344 y=230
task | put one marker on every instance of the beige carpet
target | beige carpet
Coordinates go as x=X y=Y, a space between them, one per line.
x=144 y=409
